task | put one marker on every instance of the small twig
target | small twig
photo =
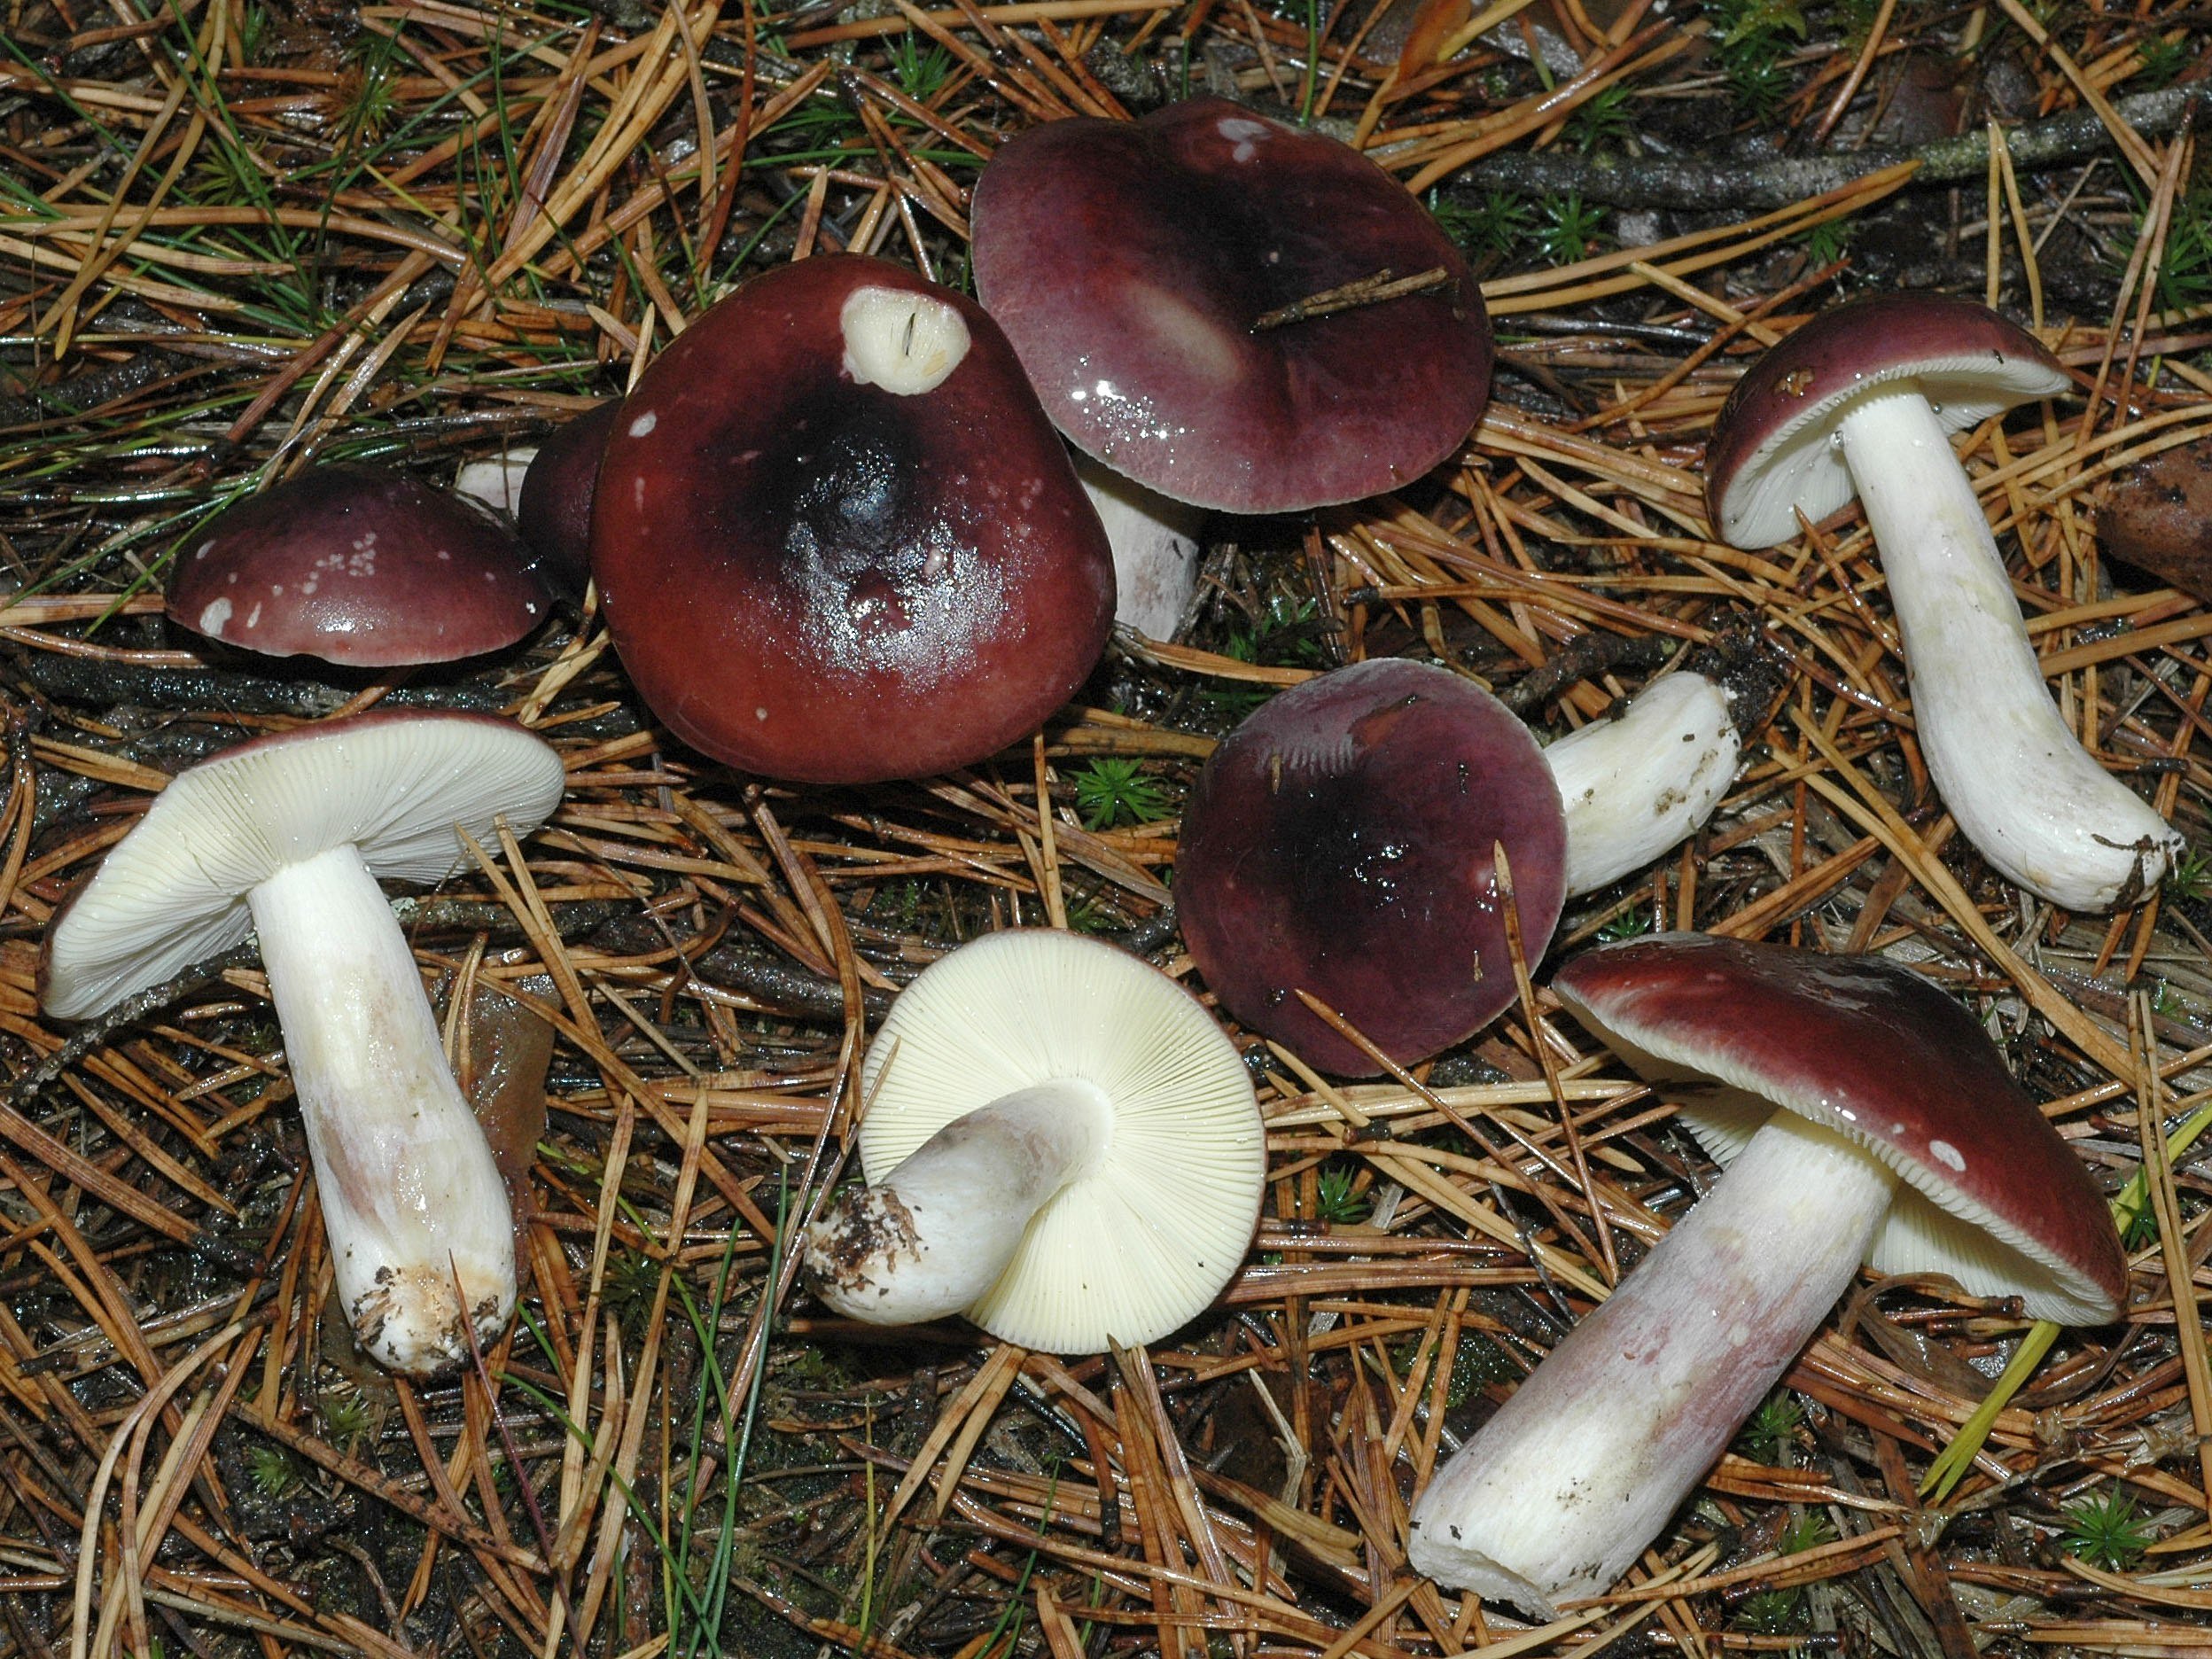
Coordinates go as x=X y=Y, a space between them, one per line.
x=1672 y=182
x=1365 y=290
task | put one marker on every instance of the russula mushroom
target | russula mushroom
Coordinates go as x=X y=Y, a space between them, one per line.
x=1339 y=843
x=1862 y=1116
x=837 y=538
x=1143 y=270
x=1862 y=400
x=287 y=837
x=1646 y=780
x=1063 y=1145
x=553 y=512
x=359 y=567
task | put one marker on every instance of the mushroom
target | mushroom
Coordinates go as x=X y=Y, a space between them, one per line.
x=361 y=567
x=1863 y=399
x=1062 y=1143
x=287 y=837
x=553 y=512
x=1863 y=1116
x=1339 y=843
x=1646 y=780
x=1195 y=296
x=837 y=540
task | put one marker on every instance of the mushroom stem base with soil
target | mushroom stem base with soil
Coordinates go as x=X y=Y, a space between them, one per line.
x=1558 y=1493
x=934 y=1235
x=2025 y=793
x=412 y=1201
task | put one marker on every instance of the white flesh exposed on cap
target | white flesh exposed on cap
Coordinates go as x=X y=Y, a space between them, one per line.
x=2025 y=793
x=1560 y=1492
x=1637 y=785
x=1058 y=1126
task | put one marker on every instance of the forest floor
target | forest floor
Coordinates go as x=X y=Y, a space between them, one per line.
x=239 y=237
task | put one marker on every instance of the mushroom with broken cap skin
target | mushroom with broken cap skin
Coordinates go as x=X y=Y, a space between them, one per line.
x=1134 y=266
x=359 y=567
x=837 y=538
x=1863 y=1116
x=1862 y=400
x=1061 y=1144
x=286 y=836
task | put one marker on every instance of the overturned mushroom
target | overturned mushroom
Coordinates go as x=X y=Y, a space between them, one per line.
x=1862 y=1116
x=287 y=837
x=1061 y=1144
x=1863 y=400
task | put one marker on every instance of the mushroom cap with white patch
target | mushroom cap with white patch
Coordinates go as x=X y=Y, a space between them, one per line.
x=1772 y=453
x=393 y=785
x=1992 y=1198
x=1141 y=1240
x=359 y=567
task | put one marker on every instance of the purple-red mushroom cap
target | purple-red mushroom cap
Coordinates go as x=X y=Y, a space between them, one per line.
x=1772 y=453
x=1130 y=262
x=553 y=512
x=1341 y=841
x=1992 y=1195
x=359 y=567
x=837 y=538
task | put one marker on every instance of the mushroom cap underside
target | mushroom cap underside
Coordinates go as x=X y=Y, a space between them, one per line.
x=394 y=785
x=1733 y=1031
x=1141 y=1242
x=1771 y=454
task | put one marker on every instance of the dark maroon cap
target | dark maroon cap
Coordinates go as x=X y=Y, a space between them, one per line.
x=359 y=567
x=1770 y=454
x=553 y=512
x=1860 y=1045
x=1340 y=842
x=813 y=575
x=1128 y=262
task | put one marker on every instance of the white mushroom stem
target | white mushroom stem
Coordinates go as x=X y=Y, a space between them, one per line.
x=1155 y=549
x=1578 y=1471
x=412 y=1201
x=937 y=1233
x=2024 y=790
x=1639 y=784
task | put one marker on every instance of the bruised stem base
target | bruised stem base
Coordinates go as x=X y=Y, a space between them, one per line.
x=1581 y=1469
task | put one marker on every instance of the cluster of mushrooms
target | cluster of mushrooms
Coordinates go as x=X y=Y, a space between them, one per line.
x=845 y=490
